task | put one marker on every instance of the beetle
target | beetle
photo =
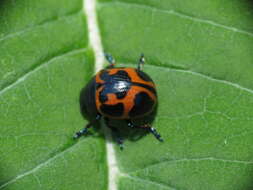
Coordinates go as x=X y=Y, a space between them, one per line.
x=120 y=93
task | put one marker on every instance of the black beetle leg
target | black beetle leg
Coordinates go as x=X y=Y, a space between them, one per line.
x=148 y=128
x=130 y=124
x=141 y=62
x=110 y=59
x=116 y=133
x=155 y=133
x=85 y=129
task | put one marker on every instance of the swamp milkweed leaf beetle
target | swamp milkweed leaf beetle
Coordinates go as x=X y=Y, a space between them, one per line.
x=120 y=93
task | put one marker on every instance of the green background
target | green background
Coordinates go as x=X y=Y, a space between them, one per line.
x=199 y=54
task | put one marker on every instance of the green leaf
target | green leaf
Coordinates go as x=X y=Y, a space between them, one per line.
x=45 y=60
x=199 y=53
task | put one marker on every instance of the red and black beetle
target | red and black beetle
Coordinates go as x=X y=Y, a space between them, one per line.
x=119 y=93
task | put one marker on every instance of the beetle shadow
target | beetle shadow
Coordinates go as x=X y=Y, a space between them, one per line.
x=136 y=133
x=3 y=179
x=127 y=133
x=249 y=2
x=4 y=4
x=250 y=186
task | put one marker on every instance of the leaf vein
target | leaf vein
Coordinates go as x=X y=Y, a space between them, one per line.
x=229 y=83
x=182 y=15
x=166 y=186
x=208 y=77
x=45 y=22
x=41 y=165
x=40 y=66
x=244 y=162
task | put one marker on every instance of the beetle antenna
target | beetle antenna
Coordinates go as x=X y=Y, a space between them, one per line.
x=141 y=62
x=110 y=59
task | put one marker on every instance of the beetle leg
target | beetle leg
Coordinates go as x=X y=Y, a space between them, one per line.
x=130 y=124
x=85 y=129
x=141 y=62
x=148 y=128
x=119 y=139
x=154 y=132
x=110 y=59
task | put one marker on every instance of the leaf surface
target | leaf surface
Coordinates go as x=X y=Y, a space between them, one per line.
x=45 y=60
x=199 y=54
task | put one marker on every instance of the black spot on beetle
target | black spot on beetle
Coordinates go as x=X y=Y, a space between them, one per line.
x=118 y=84
x=98 y=85
x=122 y=75
x=143 y=76
x=104 y=75
x=150 y=88
x=113 y=110
x=121 y=95
x=142 y=104
x=102 y=97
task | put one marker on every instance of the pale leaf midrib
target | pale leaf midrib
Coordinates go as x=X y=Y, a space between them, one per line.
x=95 y=43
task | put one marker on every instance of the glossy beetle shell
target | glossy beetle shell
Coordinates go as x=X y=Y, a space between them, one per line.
x=119 y=93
